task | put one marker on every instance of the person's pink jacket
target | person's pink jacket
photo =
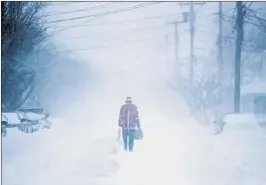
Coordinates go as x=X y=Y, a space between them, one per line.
x=128 y=116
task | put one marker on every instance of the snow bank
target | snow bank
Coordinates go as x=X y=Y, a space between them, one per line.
x=240 y=122
x=65 y=154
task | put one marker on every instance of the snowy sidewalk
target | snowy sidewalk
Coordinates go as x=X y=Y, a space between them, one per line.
x=175 y=150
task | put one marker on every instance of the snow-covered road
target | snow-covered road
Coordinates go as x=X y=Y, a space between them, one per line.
x=175 y=149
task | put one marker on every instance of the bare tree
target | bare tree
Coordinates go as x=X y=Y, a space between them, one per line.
x=21 y=30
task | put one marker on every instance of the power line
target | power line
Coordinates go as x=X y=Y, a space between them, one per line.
x=126 y=21
x=132 y=20
x=82 y=10
x=103 y=13
x=122 y=31
x=109 y=13
x=130 y=42
x=122 y=22
x=63 y=3
x=136 y=7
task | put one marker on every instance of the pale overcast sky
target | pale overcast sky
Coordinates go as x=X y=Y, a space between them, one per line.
x=139 y=44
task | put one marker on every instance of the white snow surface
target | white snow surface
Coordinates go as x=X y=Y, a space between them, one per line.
x=82 y=148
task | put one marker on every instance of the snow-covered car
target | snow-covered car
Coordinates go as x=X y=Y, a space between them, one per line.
x=253 y=100
x=253 y=110
x=26 y=120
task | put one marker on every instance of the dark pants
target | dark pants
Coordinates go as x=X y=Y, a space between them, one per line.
x=128 y=139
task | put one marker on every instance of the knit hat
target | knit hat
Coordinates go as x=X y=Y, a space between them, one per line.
x=128 y=99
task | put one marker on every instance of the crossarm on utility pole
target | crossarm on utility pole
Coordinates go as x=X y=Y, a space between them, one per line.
x=175 y=23
x=192 y=33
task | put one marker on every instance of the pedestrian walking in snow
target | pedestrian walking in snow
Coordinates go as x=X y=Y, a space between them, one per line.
x=128 y=121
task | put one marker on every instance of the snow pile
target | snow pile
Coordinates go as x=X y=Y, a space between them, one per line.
x=240 y=157
x=77 y=149
x=240 y=122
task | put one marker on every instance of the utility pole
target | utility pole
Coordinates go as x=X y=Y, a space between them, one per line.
x=167 y=61
x=176 y=44
x=192 y=33
x=166 y=48
x=238 y=43
x=176 y=23
x=220 y=46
